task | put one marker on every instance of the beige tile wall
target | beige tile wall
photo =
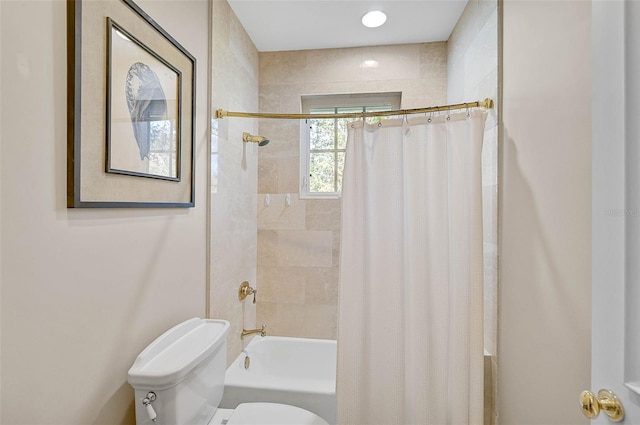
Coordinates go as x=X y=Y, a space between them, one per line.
x=299 y=245
x=234 y=164
x=473 y=74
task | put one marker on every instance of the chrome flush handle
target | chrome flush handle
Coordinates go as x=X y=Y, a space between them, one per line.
x=146 y=402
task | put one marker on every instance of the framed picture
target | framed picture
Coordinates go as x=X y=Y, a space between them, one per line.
x=131 y=109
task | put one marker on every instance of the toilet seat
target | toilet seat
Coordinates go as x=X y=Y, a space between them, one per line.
x=272 y=414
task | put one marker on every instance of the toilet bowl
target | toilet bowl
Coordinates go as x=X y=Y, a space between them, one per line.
x=179 y=380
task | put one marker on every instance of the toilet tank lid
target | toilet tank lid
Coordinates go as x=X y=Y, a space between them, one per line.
x=168 y=359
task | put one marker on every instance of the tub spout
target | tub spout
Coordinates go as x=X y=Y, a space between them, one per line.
x=262 y=331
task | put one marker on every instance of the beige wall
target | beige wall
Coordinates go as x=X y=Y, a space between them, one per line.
x=234 y=167
x=298 y=246
x=83 y=291
x=544 y=333
x=1 y=220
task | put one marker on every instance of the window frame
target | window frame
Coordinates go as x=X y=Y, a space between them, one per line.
x=356 y=100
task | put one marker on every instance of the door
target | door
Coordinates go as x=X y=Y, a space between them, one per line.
x=616 y=204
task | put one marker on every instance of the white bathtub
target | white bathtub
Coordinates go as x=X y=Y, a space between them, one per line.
x=296 y=371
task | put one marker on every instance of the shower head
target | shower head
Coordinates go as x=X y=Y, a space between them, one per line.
x=260 y=140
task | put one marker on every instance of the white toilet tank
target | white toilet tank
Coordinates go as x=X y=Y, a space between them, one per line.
x=184 y=368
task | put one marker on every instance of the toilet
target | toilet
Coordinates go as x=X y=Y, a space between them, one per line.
x=179 y=380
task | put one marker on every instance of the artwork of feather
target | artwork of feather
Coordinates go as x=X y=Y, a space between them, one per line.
x=146 y=102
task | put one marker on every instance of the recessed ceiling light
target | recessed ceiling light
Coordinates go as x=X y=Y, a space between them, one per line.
x=374 y=19
x=369 y=63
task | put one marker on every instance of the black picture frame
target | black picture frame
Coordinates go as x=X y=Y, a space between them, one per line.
x=97 y=134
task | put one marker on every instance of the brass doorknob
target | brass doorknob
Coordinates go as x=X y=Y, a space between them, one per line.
x=606 y=400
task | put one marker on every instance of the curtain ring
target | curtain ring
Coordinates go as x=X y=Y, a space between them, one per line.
x=379 y=123
x=468 y=111
x=430 y=115
x=353 y=126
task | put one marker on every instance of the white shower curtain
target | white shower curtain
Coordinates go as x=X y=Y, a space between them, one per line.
x=410 y=326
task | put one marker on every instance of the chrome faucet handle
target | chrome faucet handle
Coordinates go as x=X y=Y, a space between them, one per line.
x=263 y=331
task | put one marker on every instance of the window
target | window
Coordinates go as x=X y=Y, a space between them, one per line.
x=323 y=141
x=163 y=148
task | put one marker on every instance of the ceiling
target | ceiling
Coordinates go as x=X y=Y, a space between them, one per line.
x=277 y=25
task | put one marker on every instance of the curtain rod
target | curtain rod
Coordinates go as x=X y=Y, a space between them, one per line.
x=487 y=103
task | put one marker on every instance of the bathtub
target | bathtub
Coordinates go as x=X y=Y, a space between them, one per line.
x=296 y=371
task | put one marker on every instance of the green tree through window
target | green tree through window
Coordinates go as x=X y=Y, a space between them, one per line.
x=327 y=142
